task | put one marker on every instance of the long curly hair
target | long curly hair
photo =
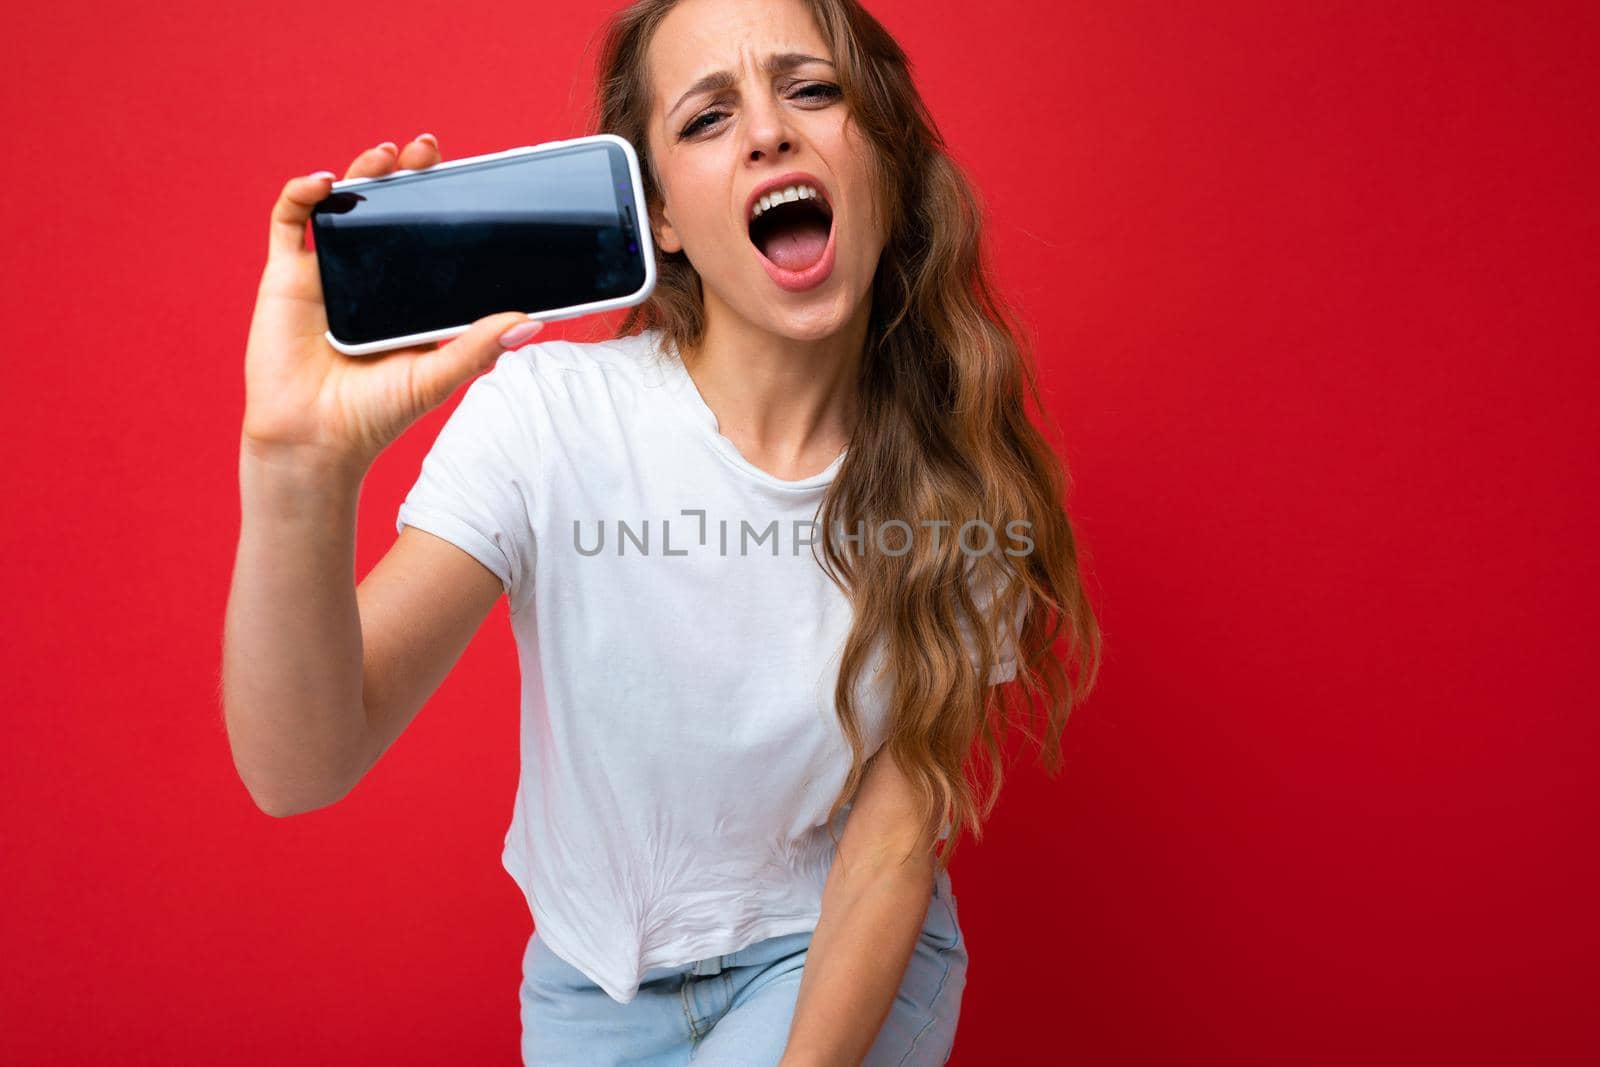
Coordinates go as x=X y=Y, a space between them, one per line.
x=942 y=436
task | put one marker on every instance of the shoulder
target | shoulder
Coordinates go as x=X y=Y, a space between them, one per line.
x=558 y=396
x=633 y=357
x=585 y=385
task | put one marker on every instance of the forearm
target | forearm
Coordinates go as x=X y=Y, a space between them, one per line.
x=857 y=961
x=292 y=647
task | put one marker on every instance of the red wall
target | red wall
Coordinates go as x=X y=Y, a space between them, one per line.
x=1316 y=296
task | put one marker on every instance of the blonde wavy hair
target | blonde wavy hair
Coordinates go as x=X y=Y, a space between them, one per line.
x=942 y=435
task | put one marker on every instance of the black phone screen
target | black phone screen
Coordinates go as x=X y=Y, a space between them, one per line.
x=444 y=247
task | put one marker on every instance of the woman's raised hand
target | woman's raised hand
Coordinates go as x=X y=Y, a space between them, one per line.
x=305 y=398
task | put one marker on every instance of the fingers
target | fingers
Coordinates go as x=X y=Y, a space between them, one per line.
x=289 y=214
x=438 y=374
x=300 y=195
x=374 y=162
x=423 y=151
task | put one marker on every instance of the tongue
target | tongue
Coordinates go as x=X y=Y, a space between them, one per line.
x=796 y=245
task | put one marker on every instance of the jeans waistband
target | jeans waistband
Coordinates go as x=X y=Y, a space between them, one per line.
x=713 y=965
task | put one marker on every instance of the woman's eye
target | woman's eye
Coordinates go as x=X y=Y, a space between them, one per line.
x=819 y=91
x=699 y=123
x=814 y=91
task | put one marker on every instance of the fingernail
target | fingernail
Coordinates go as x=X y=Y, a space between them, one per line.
x=390 y=146
x=320 y=174
x=519 y=333
x=430 y=138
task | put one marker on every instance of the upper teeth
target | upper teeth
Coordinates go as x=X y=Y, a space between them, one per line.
x=783 y=196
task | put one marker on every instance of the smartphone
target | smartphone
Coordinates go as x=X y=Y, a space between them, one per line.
x=555 y=230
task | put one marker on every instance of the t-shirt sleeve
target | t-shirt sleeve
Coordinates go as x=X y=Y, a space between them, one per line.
x=1005 y=635
x=479 y=480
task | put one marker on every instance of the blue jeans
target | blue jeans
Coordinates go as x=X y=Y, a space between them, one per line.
x=734 y=1010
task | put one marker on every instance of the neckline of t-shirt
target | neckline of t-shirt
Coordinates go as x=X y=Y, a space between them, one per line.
x=705 y=419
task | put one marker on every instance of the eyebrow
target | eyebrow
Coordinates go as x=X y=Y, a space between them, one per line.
x=777 y=63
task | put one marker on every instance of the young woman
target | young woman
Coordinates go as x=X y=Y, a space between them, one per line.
x=778 y=556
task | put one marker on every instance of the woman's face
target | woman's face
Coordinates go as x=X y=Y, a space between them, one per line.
x=745 y=92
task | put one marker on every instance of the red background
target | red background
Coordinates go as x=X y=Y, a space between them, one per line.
x=1316 y=297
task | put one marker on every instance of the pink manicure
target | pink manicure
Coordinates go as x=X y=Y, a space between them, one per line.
x=520 y=333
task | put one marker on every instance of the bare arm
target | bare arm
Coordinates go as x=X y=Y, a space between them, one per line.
x=319 y=677
x=292 y=643
x=873 y=907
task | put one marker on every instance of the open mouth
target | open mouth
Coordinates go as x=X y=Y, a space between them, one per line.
x=792 y=231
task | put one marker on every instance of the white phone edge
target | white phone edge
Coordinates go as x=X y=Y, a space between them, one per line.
x=642 y=224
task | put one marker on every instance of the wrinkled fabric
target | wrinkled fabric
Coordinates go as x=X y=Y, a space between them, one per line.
x=736 y=1010
x=678 y=647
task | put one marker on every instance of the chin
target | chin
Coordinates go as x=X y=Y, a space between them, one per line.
x=814 y=320
x=818 y=314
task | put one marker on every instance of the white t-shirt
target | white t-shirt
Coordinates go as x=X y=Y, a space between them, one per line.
x=678 y=647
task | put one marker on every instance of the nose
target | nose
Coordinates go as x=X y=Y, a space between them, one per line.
x=779 y=149
x=767 y=133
